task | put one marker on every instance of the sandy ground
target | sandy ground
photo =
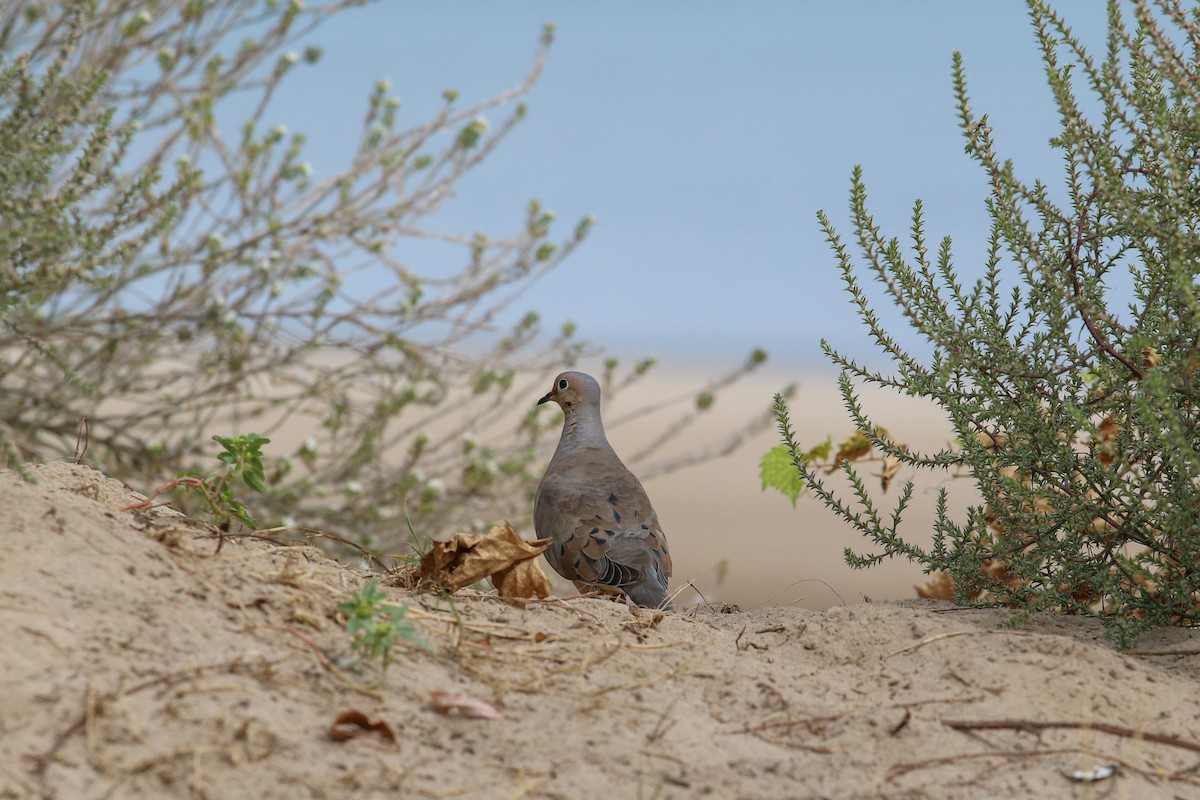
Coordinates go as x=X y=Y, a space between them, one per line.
x=139 y=662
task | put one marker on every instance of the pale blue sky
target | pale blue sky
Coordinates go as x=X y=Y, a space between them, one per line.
x=704 y=136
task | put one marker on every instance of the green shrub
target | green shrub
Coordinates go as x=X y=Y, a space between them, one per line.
x=59 y=156
x=171 y=265
x=1076 y=407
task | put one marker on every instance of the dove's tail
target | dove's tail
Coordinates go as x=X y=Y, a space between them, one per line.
x=649 y=593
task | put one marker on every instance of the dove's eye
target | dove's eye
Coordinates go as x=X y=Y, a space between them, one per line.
x=562 y=385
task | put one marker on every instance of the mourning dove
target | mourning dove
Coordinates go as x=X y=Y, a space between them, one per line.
x=605 y=532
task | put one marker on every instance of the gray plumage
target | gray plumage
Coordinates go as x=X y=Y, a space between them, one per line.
x=605 y=533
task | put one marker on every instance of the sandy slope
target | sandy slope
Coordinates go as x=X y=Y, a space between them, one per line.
x=136 y=662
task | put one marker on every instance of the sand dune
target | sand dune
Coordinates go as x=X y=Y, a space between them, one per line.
x=140 y=661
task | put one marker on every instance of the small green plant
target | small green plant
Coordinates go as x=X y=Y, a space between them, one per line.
x=243 y=459
x=376 y=626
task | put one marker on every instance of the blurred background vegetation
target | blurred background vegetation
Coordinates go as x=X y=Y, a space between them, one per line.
x=171 y=267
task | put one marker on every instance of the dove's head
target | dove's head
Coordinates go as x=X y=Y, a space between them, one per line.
x=574 y=389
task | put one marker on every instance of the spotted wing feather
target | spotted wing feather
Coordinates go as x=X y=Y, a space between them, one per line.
x=604 y=542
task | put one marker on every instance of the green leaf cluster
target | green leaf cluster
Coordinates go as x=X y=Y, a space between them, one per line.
x=60 y=154
x=243 y=458
x=780 y=471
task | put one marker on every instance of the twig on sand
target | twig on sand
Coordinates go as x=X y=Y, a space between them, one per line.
x=952 y=634
x=1103 y=727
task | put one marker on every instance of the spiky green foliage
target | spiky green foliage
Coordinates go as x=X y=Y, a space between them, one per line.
x=1078 y=419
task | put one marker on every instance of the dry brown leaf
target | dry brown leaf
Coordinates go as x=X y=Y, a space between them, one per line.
x=1107 y=432
x=522 y=580
x=891 y=466
x=854 y=448
x=939 y=587
x=991 y=441
x=463 y=705
x=500 y=554
x=352 y=724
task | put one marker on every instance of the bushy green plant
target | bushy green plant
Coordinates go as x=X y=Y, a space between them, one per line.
x=243 y=460
x=255 y=292
x=60 y=155
x=1076 y=407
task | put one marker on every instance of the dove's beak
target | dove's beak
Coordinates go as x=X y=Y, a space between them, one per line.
x=549 y=396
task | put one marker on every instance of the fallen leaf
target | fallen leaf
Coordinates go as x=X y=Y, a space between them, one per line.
x=500 y=554
x=939 y=587
x=352 y=724
x=522 y=580
x=463 y=705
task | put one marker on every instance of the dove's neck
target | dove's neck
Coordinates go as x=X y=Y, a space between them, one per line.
x=582 y=429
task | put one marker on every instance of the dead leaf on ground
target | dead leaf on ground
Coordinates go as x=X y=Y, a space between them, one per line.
x=941 y=586
x=352 y=724
x=462 y=705
x=500 y=554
